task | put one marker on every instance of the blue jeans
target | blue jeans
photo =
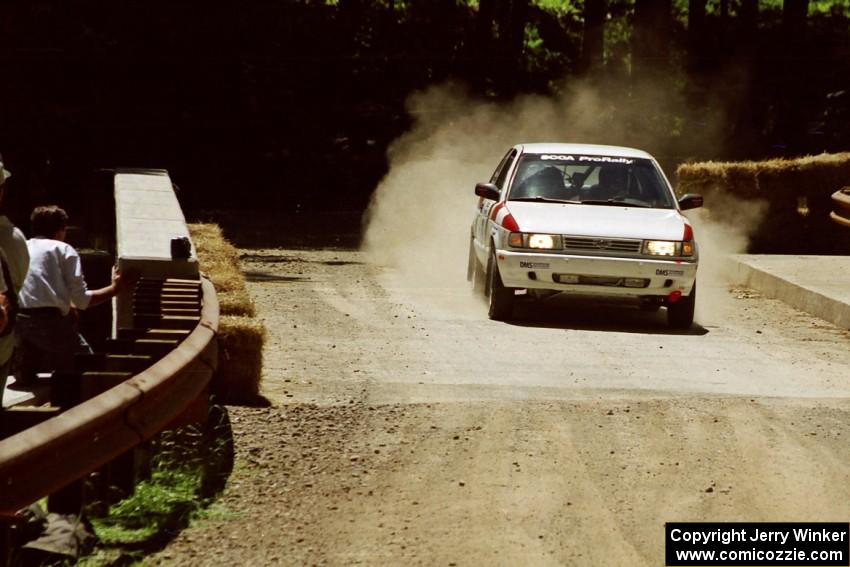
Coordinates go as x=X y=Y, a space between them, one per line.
x=47 y=344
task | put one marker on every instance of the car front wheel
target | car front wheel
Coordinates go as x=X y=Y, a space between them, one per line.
x=680 y=315
x=501 y=298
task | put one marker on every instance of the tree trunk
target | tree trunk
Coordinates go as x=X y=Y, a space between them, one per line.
x=486 y=17
x=593 y=42
x=651 y=36
x=748 y=15
x=511 y=18
x=696 y=35
x=792 y=107
x=794 y=14
x=517 y=17
x=485 y=41
x=747 y=117
x=350 y=16
x=350 y=11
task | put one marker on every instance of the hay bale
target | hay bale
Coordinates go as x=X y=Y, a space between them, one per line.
x=236 y=302
x=783 y=178
x=215 y=253
x=240 y=359
x=219 y=260
x=797 y=192
x=240 y=336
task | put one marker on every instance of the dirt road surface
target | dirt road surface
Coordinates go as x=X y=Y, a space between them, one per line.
x=406 y=428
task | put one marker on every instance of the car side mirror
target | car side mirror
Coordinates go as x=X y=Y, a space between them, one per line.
x=488 y=191
x=690 y=201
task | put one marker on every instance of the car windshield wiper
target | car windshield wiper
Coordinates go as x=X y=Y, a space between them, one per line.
x=544 y=200
x=615 y=203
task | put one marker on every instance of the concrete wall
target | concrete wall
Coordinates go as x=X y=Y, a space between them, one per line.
x=147 y=217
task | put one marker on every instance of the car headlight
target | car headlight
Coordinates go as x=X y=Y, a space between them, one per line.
x=533 y=240
x=541 y=241
x=668 y=248
x=660 y=247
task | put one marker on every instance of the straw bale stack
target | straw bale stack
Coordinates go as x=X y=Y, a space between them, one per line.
x=240 y=359
x=240 y=335
x=773 y=179
x=797 y=193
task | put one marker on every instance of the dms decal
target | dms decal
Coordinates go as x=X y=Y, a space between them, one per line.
x=534 y=265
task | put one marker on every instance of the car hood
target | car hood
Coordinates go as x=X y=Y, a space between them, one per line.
x=598 y=220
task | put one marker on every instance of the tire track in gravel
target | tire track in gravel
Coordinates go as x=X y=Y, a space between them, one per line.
x=403 y=431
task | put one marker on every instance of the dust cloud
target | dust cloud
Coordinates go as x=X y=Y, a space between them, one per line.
x=722 y=228
x=420 y=214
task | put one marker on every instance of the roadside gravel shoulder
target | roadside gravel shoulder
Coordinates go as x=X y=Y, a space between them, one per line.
x=381 y=446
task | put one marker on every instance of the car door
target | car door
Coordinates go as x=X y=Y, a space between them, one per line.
x=481 y=228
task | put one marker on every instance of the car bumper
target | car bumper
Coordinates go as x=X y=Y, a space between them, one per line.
x=596 y=275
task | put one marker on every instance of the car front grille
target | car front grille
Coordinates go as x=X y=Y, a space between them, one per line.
x=593 y=244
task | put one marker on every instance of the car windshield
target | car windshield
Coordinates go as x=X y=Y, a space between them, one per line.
x=590 y=180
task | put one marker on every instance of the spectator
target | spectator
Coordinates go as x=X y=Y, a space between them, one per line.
x=15 y=259
x=53 y=290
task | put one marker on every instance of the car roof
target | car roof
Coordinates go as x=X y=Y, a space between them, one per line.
x=586 y=149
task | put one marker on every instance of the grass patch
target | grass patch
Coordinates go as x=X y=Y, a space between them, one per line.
x=166 y=500
x=189 y=467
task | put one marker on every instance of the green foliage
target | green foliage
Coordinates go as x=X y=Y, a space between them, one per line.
x=560 y=7
x=618 y=33
x=836 y=7
x=712 y=7
x=226 y=84
x=189 y=467
x=552 y=37
x=165 y=501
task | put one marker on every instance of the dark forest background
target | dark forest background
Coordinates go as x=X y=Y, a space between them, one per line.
x=291 y=105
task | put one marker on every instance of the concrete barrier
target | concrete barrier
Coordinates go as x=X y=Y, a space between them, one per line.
x=819 y=285
x=147 y=218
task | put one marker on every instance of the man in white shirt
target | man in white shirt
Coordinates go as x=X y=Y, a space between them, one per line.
x=46 y=329
x=13 y=246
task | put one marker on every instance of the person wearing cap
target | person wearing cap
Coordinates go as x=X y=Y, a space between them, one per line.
x=15 y=260
x=54 y=287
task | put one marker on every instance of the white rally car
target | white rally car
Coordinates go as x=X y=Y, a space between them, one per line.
x=583 y=219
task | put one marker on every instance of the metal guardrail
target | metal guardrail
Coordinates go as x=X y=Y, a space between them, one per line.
x=841 y=202
x=43 y=459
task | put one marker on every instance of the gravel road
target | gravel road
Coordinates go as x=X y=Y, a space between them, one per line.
x=406 y=428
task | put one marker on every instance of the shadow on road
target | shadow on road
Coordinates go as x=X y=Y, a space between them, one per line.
x=255 y=276
x=281 y=259
x=592 y=314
